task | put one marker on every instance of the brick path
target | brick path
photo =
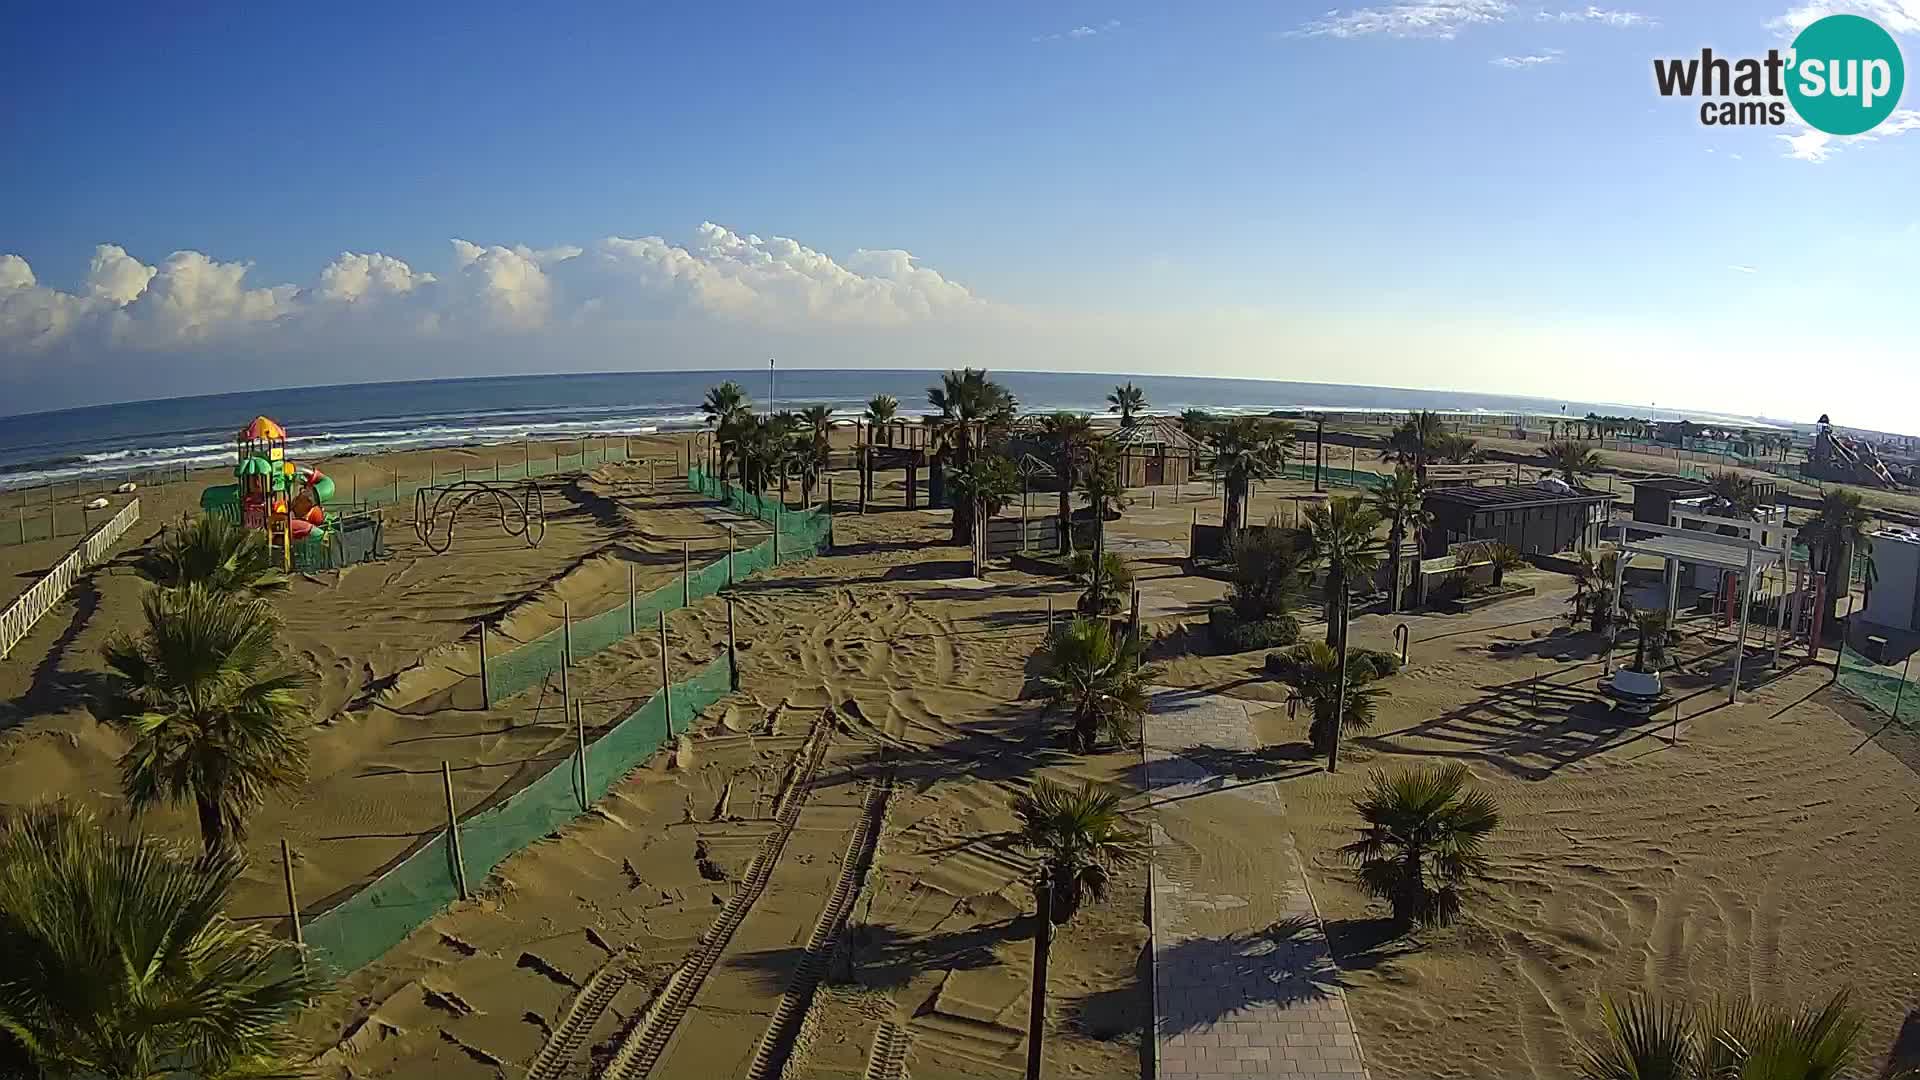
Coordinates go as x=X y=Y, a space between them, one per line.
x=1261 y=998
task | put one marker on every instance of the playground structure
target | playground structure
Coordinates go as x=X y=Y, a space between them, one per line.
x=272 y=494
x=1847 y=461
x=521 y=509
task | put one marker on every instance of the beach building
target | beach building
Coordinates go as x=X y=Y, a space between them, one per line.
x=1155 y=450
x=1535 y=519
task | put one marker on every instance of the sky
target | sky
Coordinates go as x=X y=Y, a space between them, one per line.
x=1458 y=194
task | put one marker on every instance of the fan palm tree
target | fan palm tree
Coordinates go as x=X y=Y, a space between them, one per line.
x=1740 y=1040
x=1129 y=401
x=1313 y=670
x=213 y=716
x=1081 y=839
x=1416 y=442
x=1402 y=501
x=1571 y=459
x=1106 y=496
x=1457 y=450
x=1098 y=679
x=1593 y=591
x=1651 y=648
x=117 y=962
x=1267 y=570
x=1071 y=438
x=1245 y=449
x=972 y=410
x=1340 y=542
x=1421 y=844
x=216 y=553
x=723 y=406
x=881 y=409
x=986 y=483
x=1735 y=491
x=1836 y=531
x=814 y=441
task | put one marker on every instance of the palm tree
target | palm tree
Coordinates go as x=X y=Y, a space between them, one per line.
x=1652 y=645
x=1739 y=1040
x=1105 y=496
x=881 y=410
x=1422 y=841
x=1416 y=441
x=1313 y=670
x=723 y=407
x=1593 y=591
x=1197 y=422
x=217 y=553
x=1571 y=459
x=814 y=441
x=1457 y=450
x=1267 y=571
x=1070 y=435
x=117 y=962
x=1098 y=679
x=1245 y=449
x=1129 y=401
x=1735 y=491
x=212 y=715
x=972 y=410
x=1837 y=529
x=986 y=483
x=1081 y=839
x=1340 y=541
x=1402 y=501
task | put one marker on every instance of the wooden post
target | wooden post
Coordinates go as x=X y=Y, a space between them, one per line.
x=729 y=555
x=1042 y=945
x=650 y=475
x=486 y=685
x=733 y=651
x=1191 y=530
x=686 y=576
x=566 y=635
x=1049 y=614
x=633 y=624
x=526 y=459
x=580 y=743
x=666 y=680
x=453 y=832
x=293 y=901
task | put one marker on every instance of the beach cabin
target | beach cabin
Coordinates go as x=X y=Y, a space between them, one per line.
x=1535 y=519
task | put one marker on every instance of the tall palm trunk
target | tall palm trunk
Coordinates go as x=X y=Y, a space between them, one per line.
x=1065 y=465
x=1394 y=540
x=213 y=826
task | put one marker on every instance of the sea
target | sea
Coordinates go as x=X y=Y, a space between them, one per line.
x=330 y=421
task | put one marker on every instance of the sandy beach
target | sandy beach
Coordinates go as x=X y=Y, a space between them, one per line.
x=885 y=692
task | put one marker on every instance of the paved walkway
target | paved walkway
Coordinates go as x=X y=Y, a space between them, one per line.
x=1237 y=992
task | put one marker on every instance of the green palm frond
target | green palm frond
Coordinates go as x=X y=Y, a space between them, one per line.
x=216 y=553
x=1571 y=459
x=1645 y=1040
x=1097 y=678
x=882 y=409
x=1422 y=840
x=1081 y=836
x=212 y=714
x=116 y=959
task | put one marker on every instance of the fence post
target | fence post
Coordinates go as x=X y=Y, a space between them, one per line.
x=686 y=575
x=1049 y=614
x=733 y=652
x=729 y=555
x=293 y=901
x=1191 y=529
x=486 y=685
x=666 y=681
x=651 y=483
x=526 y=458
x=776 y=536
x=453 y=831
x=633 y=624
x=566 y=636
x=1133 y=616
x=580 y=742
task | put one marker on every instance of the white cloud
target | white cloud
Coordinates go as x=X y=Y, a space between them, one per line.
x=1897 y=16
x=1548 y=56
x=1807 y=144
x=1432 y=18
x=1624 y=20
x=1740 y=269
x=772 y=282
x=1079 y=32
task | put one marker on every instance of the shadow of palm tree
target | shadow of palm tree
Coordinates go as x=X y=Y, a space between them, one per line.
x=886 y=958
x=1205 y=980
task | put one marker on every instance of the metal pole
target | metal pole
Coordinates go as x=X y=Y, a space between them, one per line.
x=633 y=626
x=293 y=901
x=1902 y=691
x=686 y=576
x=486 y=685
x=729 y=555
x=1042 y=945
x=1740 y=647
x=453 y=832
x=733 y=651
x=666 y=681
x=566 y=636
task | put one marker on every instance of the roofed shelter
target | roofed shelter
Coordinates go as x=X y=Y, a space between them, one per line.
x=1533 y=519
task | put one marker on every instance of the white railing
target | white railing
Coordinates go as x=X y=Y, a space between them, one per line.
x=37 y=601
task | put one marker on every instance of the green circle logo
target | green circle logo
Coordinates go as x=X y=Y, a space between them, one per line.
x=1846 y=74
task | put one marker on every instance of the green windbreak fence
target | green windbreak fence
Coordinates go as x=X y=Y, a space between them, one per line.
x=799 y=534
x=380 y=916
x=1883 y=688
x=1353 y=478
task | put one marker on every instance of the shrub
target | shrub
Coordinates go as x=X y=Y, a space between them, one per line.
x=1116 y=584
x=1363 y=665
x=1232 y=633
x=1269 y=570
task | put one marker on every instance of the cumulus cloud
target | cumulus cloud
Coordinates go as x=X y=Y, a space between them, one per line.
x=1549 y=56
x=1897 y=16
x=1431 y=18
x=1080 y=32
x=719 y=274
x=1807 y=144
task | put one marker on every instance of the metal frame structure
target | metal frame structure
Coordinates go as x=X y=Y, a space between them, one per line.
x=521 y=506
x=1675 y=545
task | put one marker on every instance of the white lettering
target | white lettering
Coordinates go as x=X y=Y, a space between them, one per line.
x=1813 y=77
x=1879 y=80
x=1850 y=85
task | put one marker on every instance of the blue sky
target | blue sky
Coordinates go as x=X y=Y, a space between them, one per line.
x=1468 y=194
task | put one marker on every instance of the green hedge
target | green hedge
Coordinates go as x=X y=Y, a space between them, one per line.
x=1231 y=633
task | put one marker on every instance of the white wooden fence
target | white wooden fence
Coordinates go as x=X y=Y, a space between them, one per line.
x=37 y=601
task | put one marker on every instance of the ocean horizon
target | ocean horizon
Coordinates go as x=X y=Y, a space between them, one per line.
x=363 y=418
